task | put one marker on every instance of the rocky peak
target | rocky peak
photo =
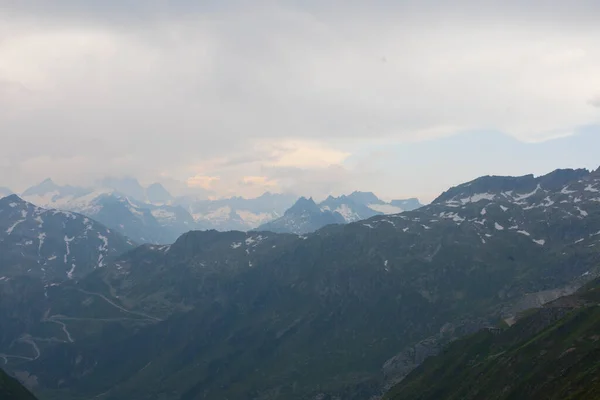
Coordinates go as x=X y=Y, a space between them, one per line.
x=303 y=205
x=156 y=193
x=11 y=199
x=364 y=197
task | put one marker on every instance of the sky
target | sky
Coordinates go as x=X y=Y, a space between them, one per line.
x=402 y=98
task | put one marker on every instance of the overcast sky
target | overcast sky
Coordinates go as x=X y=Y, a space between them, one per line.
x=403 y=98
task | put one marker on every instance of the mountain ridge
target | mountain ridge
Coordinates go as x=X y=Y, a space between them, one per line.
x=261 y=315
x=307 y=216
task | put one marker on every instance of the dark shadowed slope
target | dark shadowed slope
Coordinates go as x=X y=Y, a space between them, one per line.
x=11 y=389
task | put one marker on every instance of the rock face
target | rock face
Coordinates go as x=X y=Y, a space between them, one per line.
x=339 y=312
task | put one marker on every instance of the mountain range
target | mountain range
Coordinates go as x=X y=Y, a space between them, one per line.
x=152 y=215
x=307 y=216
x=345 y=312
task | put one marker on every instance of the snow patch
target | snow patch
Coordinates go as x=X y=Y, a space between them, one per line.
x=163 y=215
x=41 y=238
x=68 y=245
x=10 y=230
x=348 y=214
x=524 y=233
x=527 y=195
x=477 y=197
x=541 y=242
x=451 y=215
x=103 y=250
x=590 y=188
x=255 y=219
x=70 y=272
x=504 y=208
x=548 y=202
x=498 y=226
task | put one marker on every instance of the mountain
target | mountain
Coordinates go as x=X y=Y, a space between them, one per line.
x=52 y=245
x=141 y=222
x=303 y=217
x=549 y=353
x=308 y=218
x=351 y=208
x=157 y=194
x=39 y=250
x=237 y=213
x=11 y=389
x=49 y=188
x=127 y=186
x=131 y=218
x=344 y=312
x=152 y=215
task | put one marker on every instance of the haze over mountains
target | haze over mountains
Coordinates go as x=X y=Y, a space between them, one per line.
x=343 y=312
x=152 y=215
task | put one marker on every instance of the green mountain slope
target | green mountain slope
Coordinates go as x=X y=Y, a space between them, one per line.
x=551 y=353
x=11 y=389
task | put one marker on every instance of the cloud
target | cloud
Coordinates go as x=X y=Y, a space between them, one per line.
x=297 y=153
x=201 y=181
x=261 y=181
x=141 y=87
